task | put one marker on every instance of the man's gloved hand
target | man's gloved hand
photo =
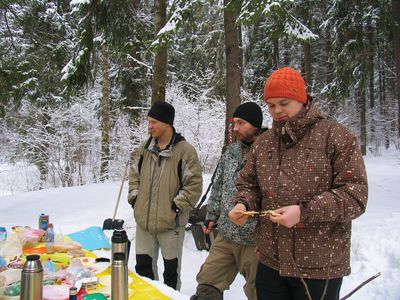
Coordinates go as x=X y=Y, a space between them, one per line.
x=175 y=208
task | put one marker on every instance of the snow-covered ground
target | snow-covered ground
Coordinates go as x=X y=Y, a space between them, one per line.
x=374 y=240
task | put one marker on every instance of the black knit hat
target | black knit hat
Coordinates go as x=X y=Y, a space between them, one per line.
x=163 y=112
x=250 y=112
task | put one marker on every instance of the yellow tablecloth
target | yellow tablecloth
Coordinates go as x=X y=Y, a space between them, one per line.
x=141 y=290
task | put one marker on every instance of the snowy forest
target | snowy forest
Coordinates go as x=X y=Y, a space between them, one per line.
x=78 y=77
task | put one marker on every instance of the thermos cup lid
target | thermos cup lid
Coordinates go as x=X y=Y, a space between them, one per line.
x=33 y=257
x=32 y=264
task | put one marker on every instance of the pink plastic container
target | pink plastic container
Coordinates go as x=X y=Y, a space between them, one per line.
x=55 y=292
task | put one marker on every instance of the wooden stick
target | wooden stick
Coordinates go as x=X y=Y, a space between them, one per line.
x=265 y=213
x=361 y=285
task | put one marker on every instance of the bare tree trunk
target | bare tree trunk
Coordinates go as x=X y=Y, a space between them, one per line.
x=241 y=58
x=363 y=121
x=328 y=73
x=382 y=94
x=307 y=54
x=160 y=59
x=275 y=55
x=232 y=56
x=371 y=70
x=396 y=48
x=307 y=66
x=105 y=124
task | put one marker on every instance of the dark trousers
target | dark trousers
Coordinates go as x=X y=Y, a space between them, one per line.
x=271 y=286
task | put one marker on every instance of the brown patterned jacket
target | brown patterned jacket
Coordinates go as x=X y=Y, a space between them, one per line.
x=317 y=164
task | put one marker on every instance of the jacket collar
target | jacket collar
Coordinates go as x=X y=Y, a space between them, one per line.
x=152 y=144
x=295 y=128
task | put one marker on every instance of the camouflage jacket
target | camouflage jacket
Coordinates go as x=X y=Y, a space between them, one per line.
x=220 y=202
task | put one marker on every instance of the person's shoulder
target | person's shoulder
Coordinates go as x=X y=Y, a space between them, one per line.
x=184 y=147
x=335 y=128
x=234 y=147
x=144 y=144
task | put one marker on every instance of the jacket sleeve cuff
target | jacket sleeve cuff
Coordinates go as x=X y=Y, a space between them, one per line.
x=241 y=201
x=304 y=211
x=211 y=216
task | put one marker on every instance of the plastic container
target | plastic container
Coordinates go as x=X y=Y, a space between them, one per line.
x=56 y=292
x=95 y=296
x=49 y=233
x=43 y=221
x=3 y=234
x=12 y=275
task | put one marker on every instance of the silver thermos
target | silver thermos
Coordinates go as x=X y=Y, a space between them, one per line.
x=32 y=279
x=119 y=277
x=120 y=243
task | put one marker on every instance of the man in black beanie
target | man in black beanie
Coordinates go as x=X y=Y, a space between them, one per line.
x=233 y=250
x=164 y=185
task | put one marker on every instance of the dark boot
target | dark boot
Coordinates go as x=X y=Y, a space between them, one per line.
x=144 y=265
x=171 y=272
x=207 y=292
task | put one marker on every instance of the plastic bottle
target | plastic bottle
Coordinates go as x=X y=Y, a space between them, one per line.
x=50 y=233
x=3 y=234
x=32 y=279
x=73 y=292
x=50 y=265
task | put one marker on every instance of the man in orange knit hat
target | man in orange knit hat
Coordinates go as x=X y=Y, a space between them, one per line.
x=308 y=177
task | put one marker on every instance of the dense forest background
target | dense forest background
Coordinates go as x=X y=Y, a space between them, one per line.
x=77 y=77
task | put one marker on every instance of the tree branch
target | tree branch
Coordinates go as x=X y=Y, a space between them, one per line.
x=361 y=285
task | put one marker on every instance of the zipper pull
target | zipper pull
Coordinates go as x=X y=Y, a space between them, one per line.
x=283 y=130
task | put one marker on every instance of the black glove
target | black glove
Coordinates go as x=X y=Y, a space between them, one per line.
x=206 y=222
x=132 y=202
x=175 y=208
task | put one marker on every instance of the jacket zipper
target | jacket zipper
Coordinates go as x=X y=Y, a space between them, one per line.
x=292 y=229
x=150 y=195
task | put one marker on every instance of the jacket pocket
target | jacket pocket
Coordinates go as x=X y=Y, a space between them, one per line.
x=321 y=245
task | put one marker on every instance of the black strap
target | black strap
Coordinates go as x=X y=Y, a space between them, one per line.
x=204 y=197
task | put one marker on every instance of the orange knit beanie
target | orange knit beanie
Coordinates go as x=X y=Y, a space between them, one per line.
x=285 y=83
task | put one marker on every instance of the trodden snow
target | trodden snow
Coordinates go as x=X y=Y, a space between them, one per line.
x=375 y=234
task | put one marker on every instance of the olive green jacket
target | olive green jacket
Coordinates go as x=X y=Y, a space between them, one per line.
x=161 y=180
